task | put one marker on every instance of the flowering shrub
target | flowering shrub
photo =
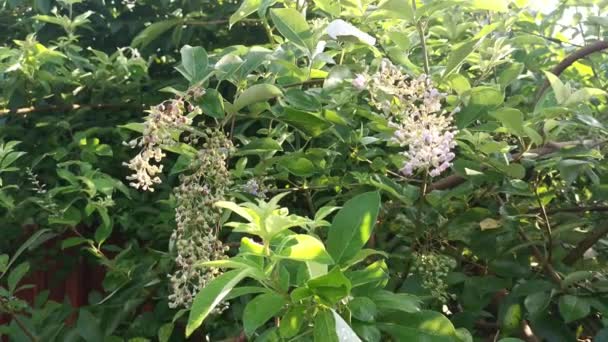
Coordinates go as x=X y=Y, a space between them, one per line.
x=346 y=171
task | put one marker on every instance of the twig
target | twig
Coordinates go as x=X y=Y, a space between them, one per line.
x=25 y=329
x=547 y=267
x=453 y=181
x=311 y=205
x=581 y=209
x=566 y=62
x=420 y=29
x=584 y=245
x=547 y=224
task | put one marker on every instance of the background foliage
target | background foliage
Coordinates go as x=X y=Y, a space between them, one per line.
x=512 y=237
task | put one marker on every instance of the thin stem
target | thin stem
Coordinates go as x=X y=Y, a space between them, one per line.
x=268 y=31
x=420 y=28
x=425 y=183
x=21 y=325
x=25 y=329
x=547 y=267
x=547 y=224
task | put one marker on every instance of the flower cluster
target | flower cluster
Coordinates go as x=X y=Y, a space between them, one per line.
x=162 y=122
x=413 y=108
x=195 y=237
x=256 y=187
x=433 y=269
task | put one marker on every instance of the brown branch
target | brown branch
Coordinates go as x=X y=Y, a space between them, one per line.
x=568 y=61
x=453 y=181
x=547 y=267
x=581 y=209
x=584 y=245
x=66 y=108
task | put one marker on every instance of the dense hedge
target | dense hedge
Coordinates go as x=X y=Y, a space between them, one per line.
x=303 y=170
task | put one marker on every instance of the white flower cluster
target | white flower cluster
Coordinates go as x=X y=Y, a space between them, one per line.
x=158 y=128
x=197 y=219
x=413 y=108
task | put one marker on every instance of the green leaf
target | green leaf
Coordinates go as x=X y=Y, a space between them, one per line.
x=152 y=32
x=352 y=226
x=235 y=263
x=292 y=321
x=210 y=296
x=325 y=327
x=482 y=100
x=459 y=83
x=576 y=277
x=364 y=254
x=510 y=317
x=194 y=63
x=573 y=308
x=363 y=309
x=537 y=302
x=512 y=119
x=212 y=104
x=375 y=273
x=3 y=262
x=298 y=166
x=245 y=213
x=88 y=326
x=464 y=335
x=15 y=276
x=165 y=332
x=260 y=309
x=458 y=55
x=254 y=94
x=261 y=145
x=28 y=244
x=331 y=287
x=73 y=241
x=386 y=300
x=304 y=247
x=247 y=7
x=323 y=212
x=245 y=290
x=306 y=122
x=330 y=6
x=134 y=126
x=583 y=95
x=510 y=74
x=428 y=326
x=293 y=26
x=562 y=93
x=105 y=228
x=491 y=5
x=343 y=330
x=393 y=9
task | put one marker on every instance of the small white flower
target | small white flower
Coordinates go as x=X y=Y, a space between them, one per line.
x=359 y=82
